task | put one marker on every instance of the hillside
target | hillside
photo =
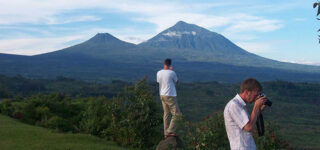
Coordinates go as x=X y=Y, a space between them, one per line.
x=15 y=135
x=295 y=106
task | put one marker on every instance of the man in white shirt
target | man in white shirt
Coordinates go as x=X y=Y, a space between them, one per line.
x=239 y=124
x=167 y=79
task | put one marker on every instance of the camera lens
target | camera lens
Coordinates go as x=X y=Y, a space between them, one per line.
x=267 y=102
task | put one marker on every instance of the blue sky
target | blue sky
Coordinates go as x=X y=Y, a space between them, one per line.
x=280 y=30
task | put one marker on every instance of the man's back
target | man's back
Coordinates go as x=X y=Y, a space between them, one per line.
x=166 y=79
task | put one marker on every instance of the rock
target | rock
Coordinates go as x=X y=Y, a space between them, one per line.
x=170 y=143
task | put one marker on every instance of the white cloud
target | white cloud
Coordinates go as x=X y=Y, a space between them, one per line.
x=33 y=46
x=250 y=23
x=233 y=23
x=166 y=20
x=72 y=19
x=131 y=39
x=299 y=19
x=272 y=7
x=256 y=47
x=46 y=11
x=303 y=61
x=134 y=38
x=236 y=36
x=163 y=14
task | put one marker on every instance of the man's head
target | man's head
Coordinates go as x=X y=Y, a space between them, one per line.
x=167 y=63
x=250 y=90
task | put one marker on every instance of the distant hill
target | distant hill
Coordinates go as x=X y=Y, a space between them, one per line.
x=198 y=55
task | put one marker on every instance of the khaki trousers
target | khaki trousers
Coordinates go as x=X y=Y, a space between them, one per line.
x=170 y=106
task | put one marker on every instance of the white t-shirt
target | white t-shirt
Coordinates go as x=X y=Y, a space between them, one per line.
x=166 y=80
x=235 y=118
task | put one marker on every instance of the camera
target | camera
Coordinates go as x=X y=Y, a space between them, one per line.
x=267 y=102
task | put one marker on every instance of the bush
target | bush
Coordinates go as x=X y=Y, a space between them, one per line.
x=54 y=111
x=207 y=135
x=57 y=123
x=272 y=139
x=96 y=118
x=7 y=108
x=135 y=117
x=130 y=119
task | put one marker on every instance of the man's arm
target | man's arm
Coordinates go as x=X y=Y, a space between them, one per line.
x=158 y=79
x=175 y=78
x=257 y=108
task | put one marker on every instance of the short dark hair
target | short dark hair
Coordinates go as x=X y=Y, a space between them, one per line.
x=167 y=62
x=250 y=84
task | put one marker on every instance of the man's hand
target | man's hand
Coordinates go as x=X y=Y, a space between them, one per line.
x=257 y=108
x=263 y=107
x=260 y=102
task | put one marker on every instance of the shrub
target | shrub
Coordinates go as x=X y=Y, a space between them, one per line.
x=96 y=117
x=135 y=117
x=58 y=123
x=54 y=111
x=207 y=135
x=7 y=108
x=272 y=138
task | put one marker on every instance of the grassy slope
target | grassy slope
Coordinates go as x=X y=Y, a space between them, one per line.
x=15 y=135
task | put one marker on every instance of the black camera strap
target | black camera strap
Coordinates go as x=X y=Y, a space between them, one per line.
x=260 y=125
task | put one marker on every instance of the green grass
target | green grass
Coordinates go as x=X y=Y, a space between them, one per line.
x=15 y=135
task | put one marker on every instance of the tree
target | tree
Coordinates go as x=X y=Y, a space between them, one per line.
x=315 y=5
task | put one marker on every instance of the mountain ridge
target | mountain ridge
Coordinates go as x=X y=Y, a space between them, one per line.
x=197 y=50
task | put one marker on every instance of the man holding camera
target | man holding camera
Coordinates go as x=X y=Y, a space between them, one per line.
x=239 y=124
x=167 y=79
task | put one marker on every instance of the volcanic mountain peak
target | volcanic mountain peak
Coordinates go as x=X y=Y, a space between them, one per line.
x=184 y=29
x=103 y=37
x=192 y=37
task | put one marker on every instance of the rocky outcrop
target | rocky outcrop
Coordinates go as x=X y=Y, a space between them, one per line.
x=170 y=143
